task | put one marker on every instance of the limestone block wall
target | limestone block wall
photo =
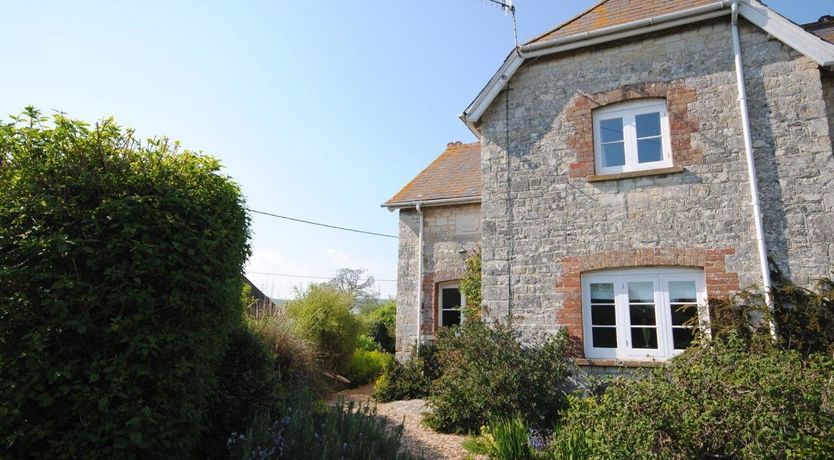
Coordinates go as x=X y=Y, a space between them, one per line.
x=543 y=220
x=450 y=235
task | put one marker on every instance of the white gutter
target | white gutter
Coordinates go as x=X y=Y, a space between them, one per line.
x=420 y=280
x=639 y=25
x=751 y=168
x=437 y=202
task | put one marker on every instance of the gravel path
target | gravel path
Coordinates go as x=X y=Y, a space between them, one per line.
x=416 y=439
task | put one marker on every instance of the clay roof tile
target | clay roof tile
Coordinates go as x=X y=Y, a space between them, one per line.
x=456 y=173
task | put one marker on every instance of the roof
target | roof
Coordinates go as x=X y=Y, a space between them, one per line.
x=454 y=175
x=823 y=28
x=616 y=12
x=614 y=20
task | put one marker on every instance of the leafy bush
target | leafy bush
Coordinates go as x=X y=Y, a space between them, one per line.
x=305 y=428
x=720 y=400
x=487 y=373
x=367 y=343
x=411 y=380
x=503 y=439
x=804 y=317
x=321 y=314
x=367 y=365
x=246 y=387
x=379 y=324
x=120 y=266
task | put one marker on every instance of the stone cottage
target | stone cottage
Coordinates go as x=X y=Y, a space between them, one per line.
x=633 y=162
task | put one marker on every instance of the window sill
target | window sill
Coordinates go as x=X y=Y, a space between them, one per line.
x=630 y=174
x=617 y=363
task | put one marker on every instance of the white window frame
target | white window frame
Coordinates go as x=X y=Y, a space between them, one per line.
x=440 y=309
x=628 y=111
x=663 y=317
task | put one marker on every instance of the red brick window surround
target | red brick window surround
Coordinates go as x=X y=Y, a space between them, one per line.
x=431 y=296
x=682 y=125
x=719 y=282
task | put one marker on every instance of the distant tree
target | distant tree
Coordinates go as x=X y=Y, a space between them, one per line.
x=352 y=281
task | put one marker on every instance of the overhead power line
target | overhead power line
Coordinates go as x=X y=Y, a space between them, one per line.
x=336 y=227
x=286 y=275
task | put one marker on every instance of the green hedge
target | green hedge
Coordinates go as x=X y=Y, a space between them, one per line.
x=120 y=268
x=719 y=402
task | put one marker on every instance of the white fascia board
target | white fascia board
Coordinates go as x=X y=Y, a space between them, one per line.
x=473 y=113
x=431 y=203
x=787 y=32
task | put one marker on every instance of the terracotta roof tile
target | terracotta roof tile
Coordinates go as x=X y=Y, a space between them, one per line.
x=824 y=28
x=456 y=173
x=615 y=12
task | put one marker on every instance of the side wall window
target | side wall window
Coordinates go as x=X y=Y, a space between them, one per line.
x=643 y=313
x=450 y=304
x=632 y=136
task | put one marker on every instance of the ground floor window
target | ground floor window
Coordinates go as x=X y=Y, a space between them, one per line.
x=450 y=304
x=645 y=313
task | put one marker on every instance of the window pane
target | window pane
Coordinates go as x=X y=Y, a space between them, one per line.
x=602 y=293
x=451 y=317
x=611 y=130
x=682 y=336
x=451 y=298
x=648 y=124
x=642 y=315
x=613 y=154
x=603 y=315
x=644 y=338
x=683 y=313
x=604 y=337
x=641 y=292
x=649 y=150
x=682 y=292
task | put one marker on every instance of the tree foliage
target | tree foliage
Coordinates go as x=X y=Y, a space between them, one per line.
x=120 y=266
x=321 y=314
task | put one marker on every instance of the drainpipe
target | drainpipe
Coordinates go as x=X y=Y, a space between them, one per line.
x=751 y=169
x=420 y=280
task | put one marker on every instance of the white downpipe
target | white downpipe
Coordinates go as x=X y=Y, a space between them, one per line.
x=420 y=280
x=751 y=168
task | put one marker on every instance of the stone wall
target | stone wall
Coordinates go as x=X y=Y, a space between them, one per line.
x=538 y=212
x=450 y=234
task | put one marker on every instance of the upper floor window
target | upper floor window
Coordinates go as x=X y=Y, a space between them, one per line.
x=632 y=136
x=450 y=304
x=640 y=314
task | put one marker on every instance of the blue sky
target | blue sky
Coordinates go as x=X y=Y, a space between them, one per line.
x=320 y=109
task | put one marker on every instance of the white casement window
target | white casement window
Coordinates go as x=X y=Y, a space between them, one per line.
x=632 y=136
x=450 y=304
x=642 y=314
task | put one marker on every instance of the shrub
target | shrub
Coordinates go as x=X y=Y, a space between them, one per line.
x=720 y=400
x=305 y=428
x=366 y=366
x=504 y=439
x=804 y=317
x=120 y=266
x=379 y=324
x=487 y=373
x=321 y=314
x=411 y=380
x=294 y=360
x=246 y=387
x=367 y=343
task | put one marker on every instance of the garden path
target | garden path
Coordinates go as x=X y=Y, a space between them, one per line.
x=417 y=439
